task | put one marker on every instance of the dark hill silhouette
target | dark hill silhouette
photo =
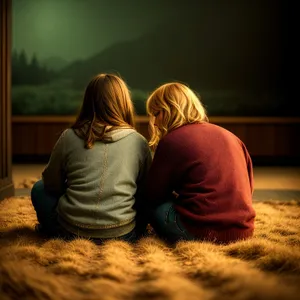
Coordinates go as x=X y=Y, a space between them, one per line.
x=55 y=63
x=212 y=48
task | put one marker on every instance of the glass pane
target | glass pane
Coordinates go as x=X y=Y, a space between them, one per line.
x=233 y=55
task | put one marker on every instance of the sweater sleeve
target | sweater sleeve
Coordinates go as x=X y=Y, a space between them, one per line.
x=162 y=175
x=250 y=172
x=249 y=167
x=54 y=176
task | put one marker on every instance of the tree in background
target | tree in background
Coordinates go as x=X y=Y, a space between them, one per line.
x=25 y=72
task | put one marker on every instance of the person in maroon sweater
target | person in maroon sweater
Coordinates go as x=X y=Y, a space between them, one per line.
x=200 y=184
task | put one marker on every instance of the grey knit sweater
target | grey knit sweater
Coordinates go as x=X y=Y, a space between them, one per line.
x=98 y=187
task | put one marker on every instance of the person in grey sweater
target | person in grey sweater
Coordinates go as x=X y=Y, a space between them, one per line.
x=92 y=186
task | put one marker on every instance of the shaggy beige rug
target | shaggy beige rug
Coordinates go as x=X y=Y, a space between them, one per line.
x=265 y=267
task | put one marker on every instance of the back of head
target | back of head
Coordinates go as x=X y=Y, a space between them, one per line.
x=179 y=106
x=106 y=106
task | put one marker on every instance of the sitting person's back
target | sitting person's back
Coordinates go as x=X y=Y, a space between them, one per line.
x=207 y=167
x=102 y=182
x=96 y=170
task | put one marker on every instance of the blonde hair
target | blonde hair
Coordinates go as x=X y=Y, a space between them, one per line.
x=107 y=105
x=179 y=105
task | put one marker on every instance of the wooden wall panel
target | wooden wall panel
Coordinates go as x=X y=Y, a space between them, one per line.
x=267 y=137
x=261 y=139
x=287 y=139
x=239 y=130
x=35 y=138
x=6 y=184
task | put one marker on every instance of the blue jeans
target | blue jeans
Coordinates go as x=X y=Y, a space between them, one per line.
x=167 y=225
x=45 y=207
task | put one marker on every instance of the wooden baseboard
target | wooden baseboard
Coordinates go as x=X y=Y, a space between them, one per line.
x=7 y=191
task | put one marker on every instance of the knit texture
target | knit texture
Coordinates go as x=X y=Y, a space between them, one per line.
x=98 y=187
x=211 y=171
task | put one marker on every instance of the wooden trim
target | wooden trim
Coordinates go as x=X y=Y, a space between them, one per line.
x=264 y=140
x=6 y=185
x=43 y=119
x=143 y=119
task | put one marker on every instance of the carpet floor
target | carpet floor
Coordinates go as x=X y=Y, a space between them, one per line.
x=264 y=267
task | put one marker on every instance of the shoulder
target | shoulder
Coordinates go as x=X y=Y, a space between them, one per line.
x=136 y=141
x=63 y=135
x=68 y=137
x=67 y=134
x=185 y=137
x=181 y=135
x=138 y=137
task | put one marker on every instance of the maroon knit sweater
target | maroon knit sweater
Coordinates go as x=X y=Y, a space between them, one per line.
x=211 y=171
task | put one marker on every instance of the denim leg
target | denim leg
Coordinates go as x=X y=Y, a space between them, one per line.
x=45 y=207
x=167 y=225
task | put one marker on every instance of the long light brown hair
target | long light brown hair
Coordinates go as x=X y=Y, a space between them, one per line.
x=179 y=105
x=106 y=106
